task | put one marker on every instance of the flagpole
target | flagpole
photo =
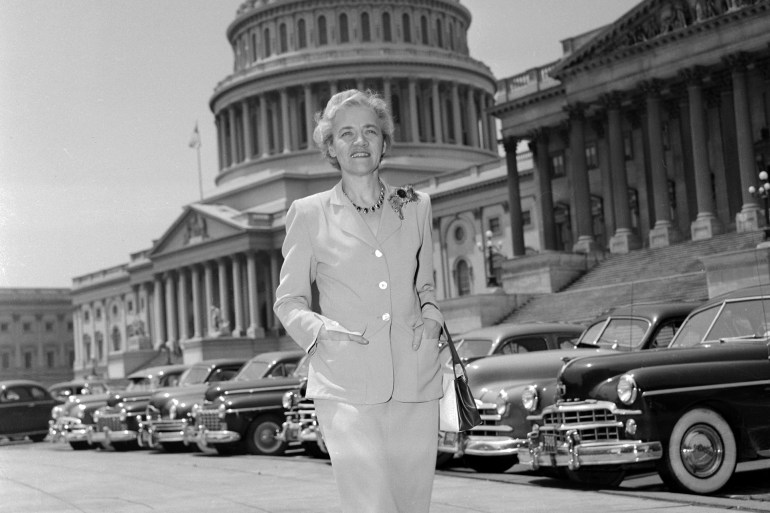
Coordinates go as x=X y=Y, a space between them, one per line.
x=200 y=175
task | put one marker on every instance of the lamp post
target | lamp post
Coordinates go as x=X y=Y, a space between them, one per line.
x=763 y=191
x=489 y=249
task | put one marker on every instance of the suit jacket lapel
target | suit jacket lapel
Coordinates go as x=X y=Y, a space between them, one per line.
x=389 y=222
x=349 y=220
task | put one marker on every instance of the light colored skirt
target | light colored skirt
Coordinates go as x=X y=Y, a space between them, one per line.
x=383 y=455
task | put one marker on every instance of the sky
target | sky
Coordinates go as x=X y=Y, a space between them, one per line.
x=99 y=99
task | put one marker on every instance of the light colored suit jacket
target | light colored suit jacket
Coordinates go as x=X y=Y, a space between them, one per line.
x=378 y=286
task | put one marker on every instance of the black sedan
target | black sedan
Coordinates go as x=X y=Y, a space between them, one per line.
x=25 y=407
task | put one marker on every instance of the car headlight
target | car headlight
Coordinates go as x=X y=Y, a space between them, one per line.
x=123 y=415
x=501 y=402
x=290 y=399
x=196 y=408
x=530 y=398
x=627 y=389
x=96 y=415
x=222 y=411
x=80 y=411
x=56 y=412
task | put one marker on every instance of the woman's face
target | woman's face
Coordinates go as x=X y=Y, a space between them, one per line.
x=357 y=140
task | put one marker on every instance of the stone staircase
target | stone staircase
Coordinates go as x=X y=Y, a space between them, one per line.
x=673 y=273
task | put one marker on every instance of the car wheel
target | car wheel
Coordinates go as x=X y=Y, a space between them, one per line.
x=701 y=453
x=599 y=476
x=80 y=446
x=491 y=464
x=37 y=438
x=314 y=450
x=260 y=437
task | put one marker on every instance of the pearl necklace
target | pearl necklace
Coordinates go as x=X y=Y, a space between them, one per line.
x=374 y=207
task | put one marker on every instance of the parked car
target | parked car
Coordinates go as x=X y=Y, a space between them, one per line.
x=493 y=446
x=693 y=410
x=118 y=420
x=25 y=407
x=167 y=414
x=245 y=415
x=66 y=389
x=504 y=339
x=73 y=421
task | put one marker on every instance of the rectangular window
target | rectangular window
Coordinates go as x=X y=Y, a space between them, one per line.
x=526 y=217
x=50 y=359
x=26 y=327
x=3 y=327
x=494 y=225
x=557 y=164
x=592 y=158
x=6 y=361
x=49 y=326
x=628 y=146
x=27 y=360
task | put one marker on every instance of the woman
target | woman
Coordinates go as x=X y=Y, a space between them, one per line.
x=374 y=372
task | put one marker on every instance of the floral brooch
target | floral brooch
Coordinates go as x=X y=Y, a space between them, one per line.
x=400 y=197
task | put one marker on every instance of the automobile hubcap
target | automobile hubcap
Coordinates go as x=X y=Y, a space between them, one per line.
x=702 y=451
x=266 y=437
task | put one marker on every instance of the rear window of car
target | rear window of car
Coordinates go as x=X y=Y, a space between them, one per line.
x=523 y=345
x=469 y=347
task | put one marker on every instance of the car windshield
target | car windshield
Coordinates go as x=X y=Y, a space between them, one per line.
x=194 y=376
x=141 y=384
x=252 y=370
x=739 y=319
x=621 y=334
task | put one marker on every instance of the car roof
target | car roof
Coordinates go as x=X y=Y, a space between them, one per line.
x=219 y=361
x=649 y=310
x=18 y=382
x=77 y=382
x=526 y=328
x=272 y=356
x=160 y=369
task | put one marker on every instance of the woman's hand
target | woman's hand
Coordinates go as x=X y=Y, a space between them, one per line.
x=430 y=331
x=340 y=336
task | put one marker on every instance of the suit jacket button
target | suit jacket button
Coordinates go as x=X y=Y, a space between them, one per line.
x=386 y=317
x=377 y=253
x=383 y=285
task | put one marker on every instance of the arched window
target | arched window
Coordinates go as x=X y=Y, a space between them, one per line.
x=344 y=35
x=463 y=278
x=253 y=46
x=284 y=39
x=322 y=37
x=424 y=30
x=439 y=34
x=366 y=33
x=451 y=36
x=386 y=35
x=301 y=34
x=115 y=336
x=406 y=26
x=266 y=42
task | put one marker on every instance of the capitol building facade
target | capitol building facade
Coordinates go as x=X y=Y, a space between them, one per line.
x=644 y=133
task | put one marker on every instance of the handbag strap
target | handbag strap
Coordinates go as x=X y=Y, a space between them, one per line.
x=455 y=357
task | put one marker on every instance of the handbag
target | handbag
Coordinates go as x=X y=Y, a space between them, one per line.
x=457 y=409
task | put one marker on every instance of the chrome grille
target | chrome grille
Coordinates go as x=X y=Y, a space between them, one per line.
x=490 y=421
x=111 y=422
x=209 y=419
x=169 y=425
x=582 y=416
x=594 y=423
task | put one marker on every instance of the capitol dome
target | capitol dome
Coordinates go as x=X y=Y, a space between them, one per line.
x=291 y=56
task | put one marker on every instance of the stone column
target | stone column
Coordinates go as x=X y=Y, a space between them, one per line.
x=333 y=88
x=170 y=311
x=436 y=102
x=263 y=141
x=473 y=119
x=238 y=293
x=748 y=219
x=663 y=233
x=246 y=121
x=255 y=330
x=485 y=135
x=706 y=224
x=285 y=121
x=224 y=299
x=182 y=299
x=275 y=271
x=159 y=332
x=196 y=303
x=514 y=197
x=220 y=139
x=414 y=128
x=624 y=239
x=581 y=194
x=457 y=115
x=544 y=188
x=491 y=120
x=208 y=293
x=233 y=136
x=309 y=123
x=386 y=91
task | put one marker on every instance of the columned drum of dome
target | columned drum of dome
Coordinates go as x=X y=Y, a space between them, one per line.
x=292 y=55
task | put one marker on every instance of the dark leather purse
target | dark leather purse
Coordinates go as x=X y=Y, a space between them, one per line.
x=457 y=409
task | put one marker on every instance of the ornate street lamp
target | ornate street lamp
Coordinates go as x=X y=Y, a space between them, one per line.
x=763 y=191
x=489 y=248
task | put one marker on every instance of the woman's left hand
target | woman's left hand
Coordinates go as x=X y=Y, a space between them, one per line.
x=430 y=330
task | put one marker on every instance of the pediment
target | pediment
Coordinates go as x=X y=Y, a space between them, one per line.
x=199 y=224
x=648 y=24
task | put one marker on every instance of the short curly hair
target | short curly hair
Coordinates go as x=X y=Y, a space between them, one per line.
x=322 y=135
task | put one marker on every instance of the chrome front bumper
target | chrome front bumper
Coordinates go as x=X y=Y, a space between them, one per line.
x=479 y=445
x=298 y=432
x=206 y=438
x=575 y=455
x=125 y=435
